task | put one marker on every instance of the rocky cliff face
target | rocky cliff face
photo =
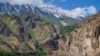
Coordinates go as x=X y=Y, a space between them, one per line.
x=27 y=33
x=83 y=41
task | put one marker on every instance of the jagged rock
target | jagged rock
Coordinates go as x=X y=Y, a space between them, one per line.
x=19 y=36
x=4 y=30
x=83 y=41
x=27 y=33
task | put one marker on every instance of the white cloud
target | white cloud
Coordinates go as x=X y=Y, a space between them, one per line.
x=83 y=12
x=91 y=10
x=77 y=12
x=32 y=2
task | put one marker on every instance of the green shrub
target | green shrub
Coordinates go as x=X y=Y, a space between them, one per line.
x=68 y=29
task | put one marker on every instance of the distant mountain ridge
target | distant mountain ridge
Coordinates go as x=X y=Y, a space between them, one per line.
x=27 y=30
x=19 y=9
x=50 y=13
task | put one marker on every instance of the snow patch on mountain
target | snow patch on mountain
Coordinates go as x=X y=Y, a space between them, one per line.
x=76 y=13
x=52 y=10
x=63 y=23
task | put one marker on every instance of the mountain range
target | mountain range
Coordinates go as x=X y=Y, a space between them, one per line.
x=44 y=12
x=28 y=30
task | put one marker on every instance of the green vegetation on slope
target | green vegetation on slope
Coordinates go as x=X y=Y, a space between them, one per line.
x=42 y=32
x=72 y=23
x=10 y=22
x=53 y=21
x=68 y=29
x=4 y=53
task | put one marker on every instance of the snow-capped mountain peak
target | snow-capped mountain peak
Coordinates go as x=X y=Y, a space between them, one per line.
x=44 y=10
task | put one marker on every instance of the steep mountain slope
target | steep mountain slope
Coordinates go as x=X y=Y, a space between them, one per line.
x=14 y=36
x=60 y=22
x=83 y=41
x=26 y=34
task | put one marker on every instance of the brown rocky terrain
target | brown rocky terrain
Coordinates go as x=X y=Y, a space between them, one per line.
x=26 y=34
x=29 y=34
x=83 y=41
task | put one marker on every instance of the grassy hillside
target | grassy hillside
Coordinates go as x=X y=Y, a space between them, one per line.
x=53 y=21
x=57 y=22
x=72 y=23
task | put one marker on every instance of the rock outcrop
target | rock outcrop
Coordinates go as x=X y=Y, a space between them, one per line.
x=27 y=33
x=83 y=41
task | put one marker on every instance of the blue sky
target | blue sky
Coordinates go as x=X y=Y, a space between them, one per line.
x=71 y=4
